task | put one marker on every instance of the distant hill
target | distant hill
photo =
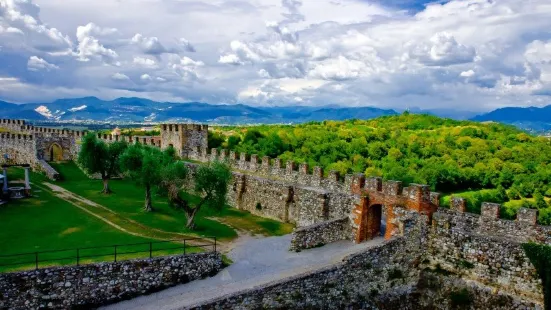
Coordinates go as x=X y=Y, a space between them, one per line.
x=534 y=119
x=140 y=110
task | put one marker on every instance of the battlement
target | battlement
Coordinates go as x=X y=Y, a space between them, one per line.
x=46 y=130
x=145 y=140
x=183 y=127
x=5 y=121
x=491 y=211
x=304 y=175
x=13 y=136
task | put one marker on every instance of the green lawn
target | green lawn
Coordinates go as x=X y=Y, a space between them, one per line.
x=45 y=222
x=128 y=198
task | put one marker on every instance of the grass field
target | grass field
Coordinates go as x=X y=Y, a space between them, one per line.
x=46 y=222
x=127 y=200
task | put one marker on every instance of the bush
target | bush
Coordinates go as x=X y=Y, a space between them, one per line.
x=461 y=298
x=395 y=273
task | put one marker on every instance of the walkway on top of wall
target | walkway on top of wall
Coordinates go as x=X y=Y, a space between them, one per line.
x=256 y=262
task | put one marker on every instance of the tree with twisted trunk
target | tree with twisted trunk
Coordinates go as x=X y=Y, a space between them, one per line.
x=143 y=164
x=97 y=156
x=210 y=184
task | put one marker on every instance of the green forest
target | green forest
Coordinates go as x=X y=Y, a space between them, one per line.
x=489 y=161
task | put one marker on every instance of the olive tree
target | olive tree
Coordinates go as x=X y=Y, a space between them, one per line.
x=143 y=164
x=210 y=184
x=97 y=156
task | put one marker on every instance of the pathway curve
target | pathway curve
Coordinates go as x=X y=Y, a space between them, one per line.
x=256 y=262
x=115 y=220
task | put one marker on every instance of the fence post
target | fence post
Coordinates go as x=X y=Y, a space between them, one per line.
x=115 y=253
x=78 y=256
x=150 y=250
x=184 y=246
x=214 y=244
x=36 y=260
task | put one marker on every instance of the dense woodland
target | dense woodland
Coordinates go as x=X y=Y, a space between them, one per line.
x=451 y=156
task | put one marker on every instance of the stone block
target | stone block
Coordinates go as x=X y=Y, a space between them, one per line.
x=458 y=204
x=374 y=184
x=290 y=167
x=490 y=210
x=392 y=188
x=527 y=216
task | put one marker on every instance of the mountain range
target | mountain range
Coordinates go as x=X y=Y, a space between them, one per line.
x=145 y=110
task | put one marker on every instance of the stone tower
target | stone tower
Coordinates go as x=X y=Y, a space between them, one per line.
x=187 y=139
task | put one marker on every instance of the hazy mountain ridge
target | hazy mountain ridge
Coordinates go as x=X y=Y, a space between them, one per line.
x=534 y=119
x=134 y=109
x=138 y=109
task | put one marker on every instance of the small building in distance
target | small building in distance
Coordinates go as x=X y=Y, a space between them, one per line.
x=116 y=131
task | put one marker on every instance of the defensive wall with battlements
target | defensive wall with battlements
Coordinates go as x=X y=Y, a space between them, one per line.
x=479 y=252
x=35 y=145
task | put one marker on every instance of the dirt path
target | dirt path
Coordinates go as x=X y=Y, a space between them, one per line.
x=115 y=220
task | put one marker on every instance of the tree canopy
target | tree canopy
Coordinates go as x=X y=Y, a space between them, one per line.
x=446 y=154
x=210 y=185
x=144 y=165
x=97 y=156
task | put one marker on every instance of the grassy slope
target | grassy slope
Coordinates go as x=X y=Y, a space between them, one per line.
x=46 y=222
x=127 y=200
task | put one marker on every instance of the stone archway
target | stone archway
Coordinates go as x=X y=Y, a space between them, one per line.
x=373 y=220
x=369 y=221
x=55 y=152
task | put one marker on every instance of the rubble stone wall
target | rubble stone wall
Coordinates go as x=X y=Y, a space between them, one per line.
x=93 y=285
x=320 y=234
x=389 y=269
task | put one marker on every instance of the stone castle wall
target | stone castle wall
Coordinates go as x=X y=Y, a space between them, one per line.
x=421 y=268
x=90 y=286
x=31 y=144
x=185 y=138
x=19 y=147
x=362 y=280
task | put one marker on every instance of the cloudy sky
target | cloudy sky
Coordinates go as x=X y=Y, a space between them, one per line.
x=469 y=55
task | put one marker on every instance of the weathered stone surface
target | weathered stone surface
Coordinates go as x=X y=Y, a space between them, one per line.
x=360 y=280
x=90 y=286
x=319 y=234
x=421 y=268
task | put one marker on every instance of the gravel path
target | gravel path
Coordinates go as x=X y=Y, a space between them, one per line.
x=256 y=262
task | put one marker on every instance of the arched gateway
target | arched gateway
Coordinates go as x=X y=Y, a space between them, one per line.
x=382 y=206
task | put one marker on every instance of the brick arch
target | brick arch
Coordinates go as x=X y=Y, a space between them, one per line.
x=396 y=202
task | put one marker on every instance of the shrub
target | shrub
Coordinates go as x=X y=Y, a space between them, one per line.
x=258 y=206
x=461 y=298
x=395 y=273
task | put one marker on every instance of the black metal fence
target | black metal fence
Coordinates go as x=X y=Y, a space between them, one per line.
x=84 y=255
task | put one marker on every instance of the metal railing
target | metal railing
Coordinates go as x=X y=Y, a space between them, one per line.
x=118 y=252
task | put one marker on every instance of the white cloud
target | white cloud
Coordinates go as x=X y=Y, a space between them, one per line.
x=22 y=17
x=37 y=64
x=145 y=62
x=89 y=46
x=153 y=46
x=470 y=54
x=120 y=77
x=442 y=50
x=468 y=73
x=146 y=77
